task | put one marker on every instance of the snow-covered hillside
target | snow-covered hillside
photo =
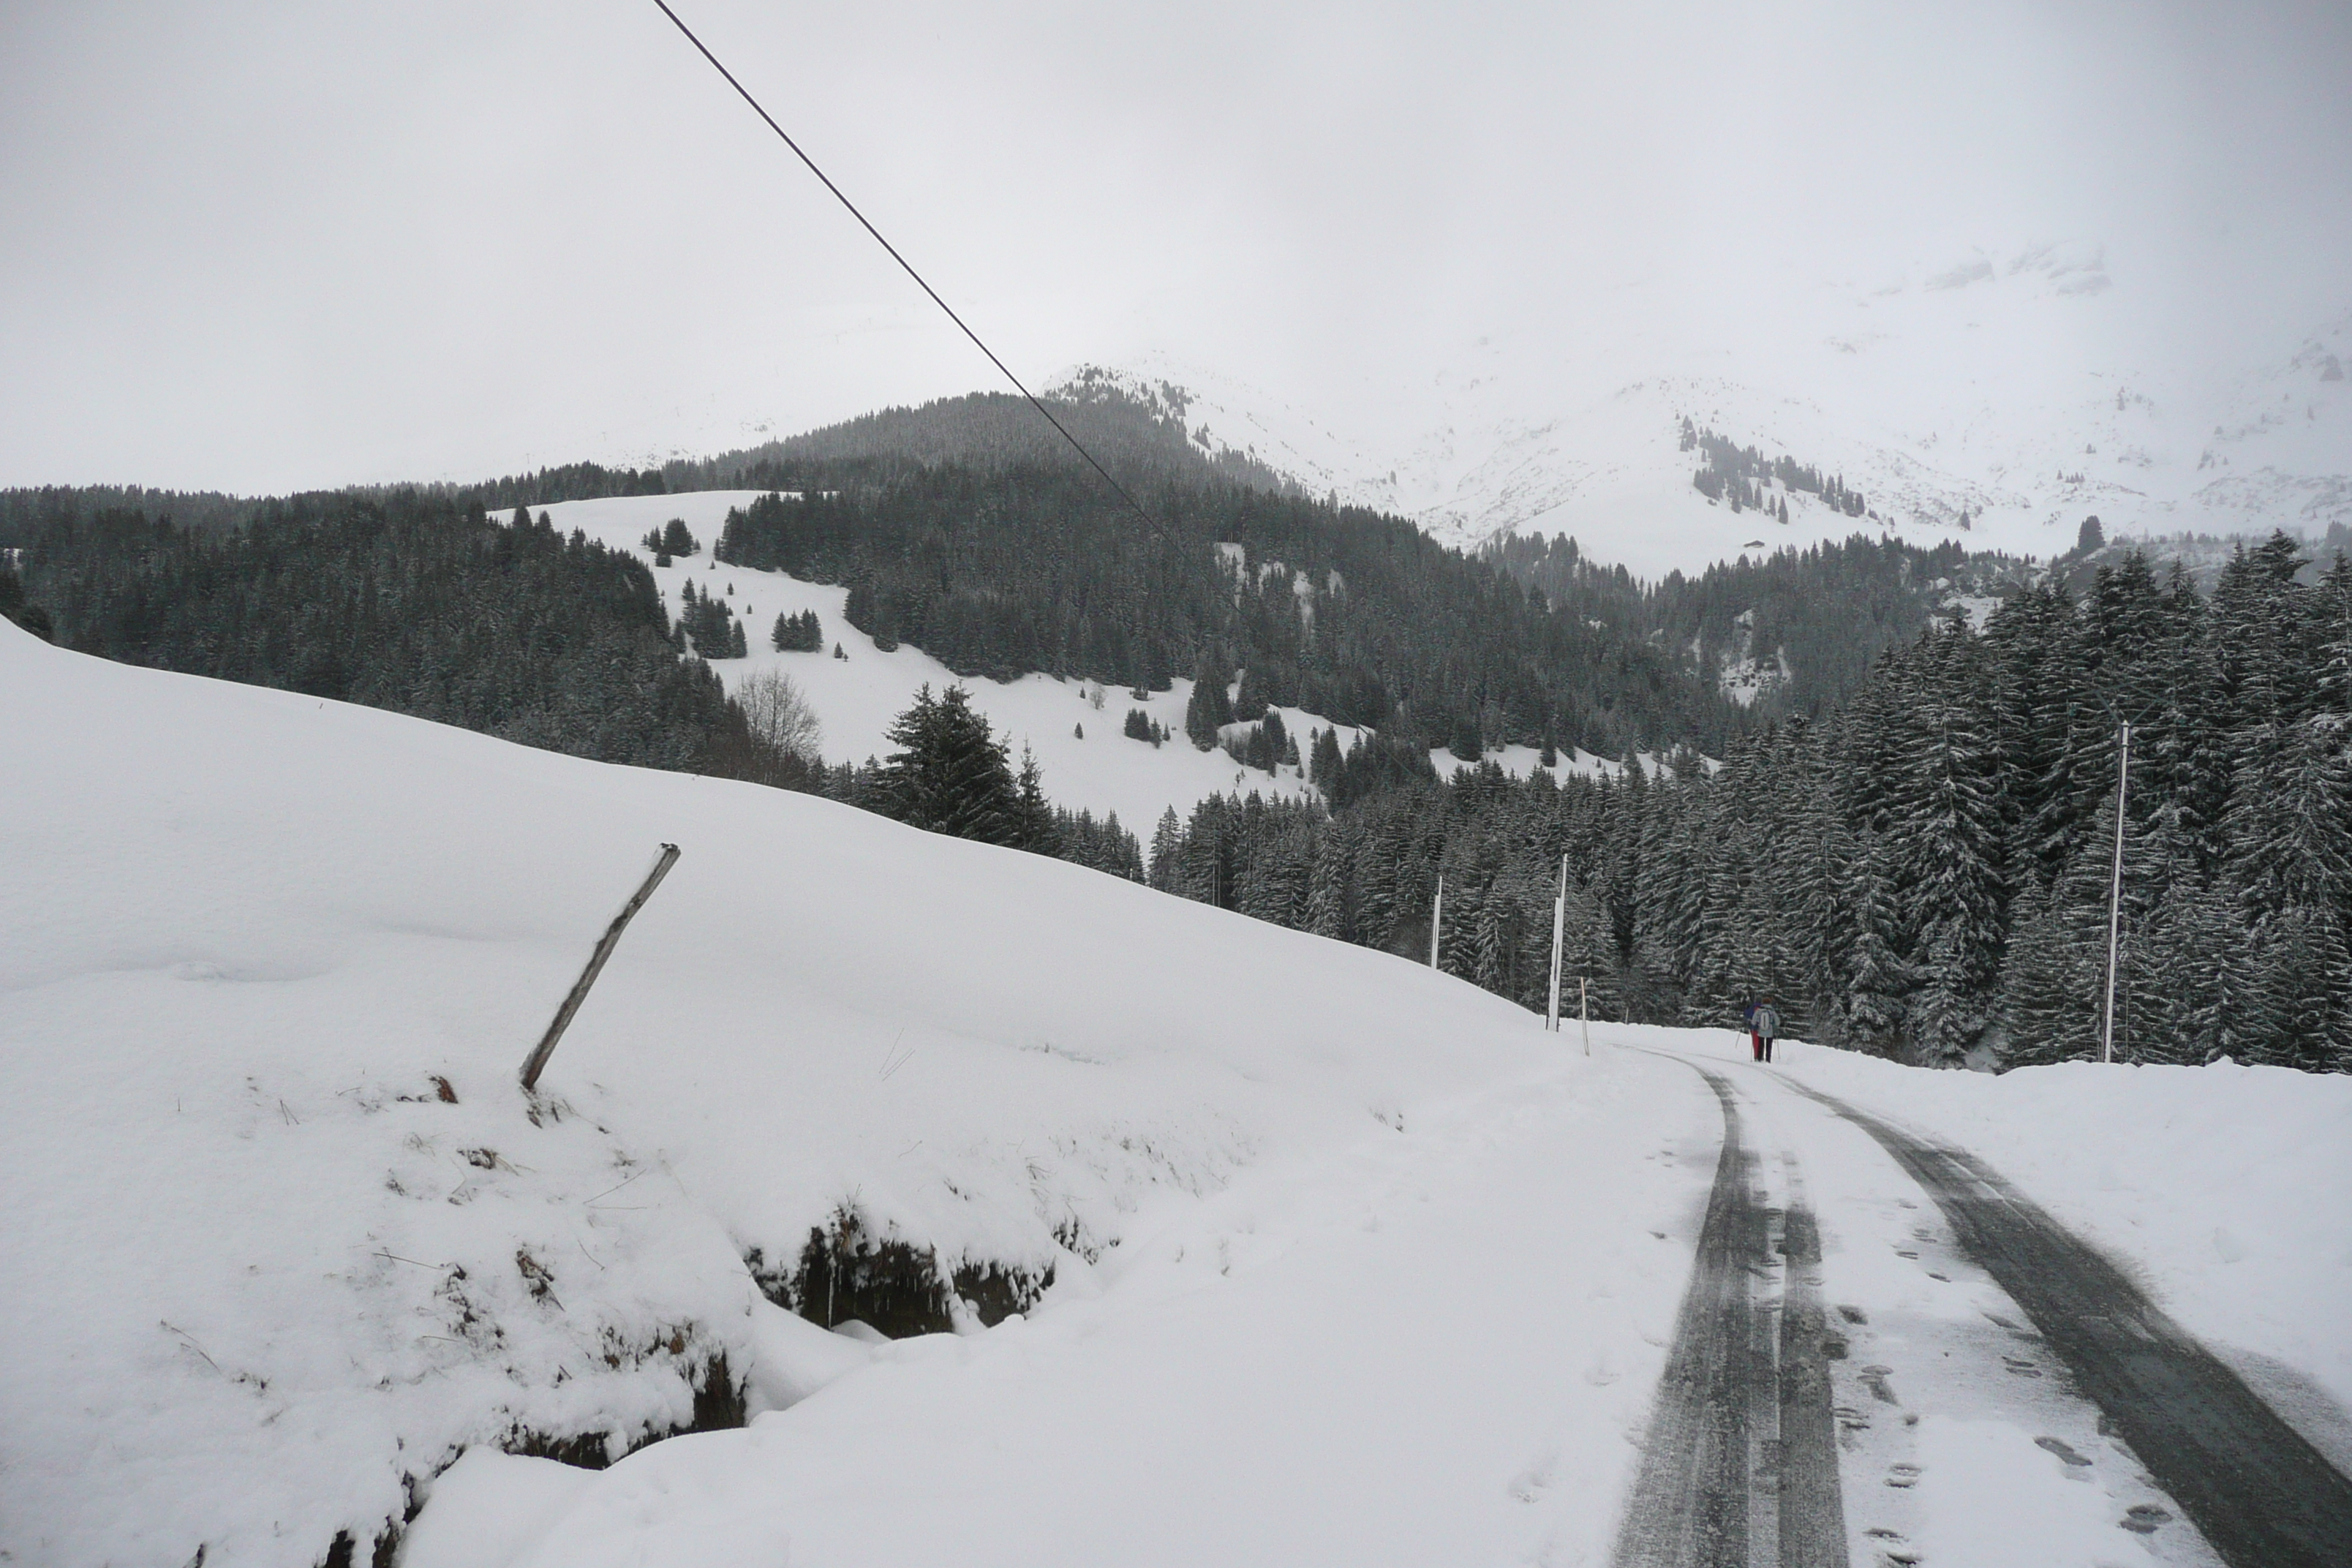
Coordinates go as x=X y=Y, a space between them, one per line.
x=857 y=697
x=1086 y=760
x=262 y=1266
x=2015 y=386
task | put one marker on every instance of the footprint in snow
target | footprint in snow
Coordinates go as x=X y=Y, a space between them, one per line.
x=2141 y=1519
x=2063 y=1450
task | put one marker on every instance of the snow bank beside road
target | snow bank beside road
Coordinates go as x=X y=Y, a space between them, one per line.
x=259 y=1272
x=1433 y=1346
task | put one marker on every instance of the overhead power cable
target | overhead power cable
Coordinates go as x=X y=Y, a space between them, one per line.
x=1076 y=444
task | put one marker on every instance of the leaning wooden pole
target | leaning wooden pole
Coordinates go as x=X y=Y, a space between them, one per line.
x=605 y=946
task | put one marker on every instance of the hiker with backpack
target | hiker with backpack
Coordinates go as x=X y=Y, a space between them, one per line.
x=1763 y=1025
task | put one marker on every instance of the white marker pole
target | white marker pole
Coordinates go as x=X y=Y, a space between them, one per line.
x=1558 y=922
x=1584 y=1011
x=2115 y=893
x=1436 y=918
x=1551 y=1008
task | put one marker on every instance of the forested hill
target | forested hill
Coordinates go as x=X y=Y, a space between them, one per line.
x=1924 y=873
x=1141 y=439
x=1829 y=610
x=996 y=571
x=1826 y=612
x=1346 y=613
x=416 y=602
x=25 y=514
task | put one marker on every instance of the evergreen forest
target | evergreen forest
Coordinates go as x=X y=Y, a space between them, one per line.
x=1925 y=872
x=1826 y=610
x=1357 y=617
x=416 y=602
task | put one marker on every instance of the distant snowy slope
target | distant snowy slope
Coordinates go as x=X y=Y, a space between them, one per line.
x=2028 y=388
x=1102 y=771
x=259 y=1268
x=858 y=698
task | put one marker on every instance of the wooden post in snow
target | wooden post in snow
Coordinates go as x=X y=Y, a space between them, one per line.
x=1584 y=1010
x=536 y=1063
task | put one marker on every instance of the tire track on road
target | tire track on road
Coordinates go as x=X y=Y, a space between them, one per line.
x=2254 y=1486
x=1740 y=1467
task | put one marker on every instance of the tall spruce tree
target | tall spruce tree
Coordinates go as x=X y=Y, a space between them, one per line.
x=950 y=775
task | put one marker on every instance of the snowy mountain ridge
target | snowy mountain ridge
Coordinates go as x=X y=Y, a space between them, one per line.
x=2019 y=388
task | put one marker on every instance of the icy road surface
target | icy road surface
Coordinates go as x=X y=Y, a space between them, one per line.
x=2020 y=1326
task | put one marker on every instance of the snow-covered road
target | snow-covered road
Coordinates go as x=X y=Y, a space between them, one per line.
x=2002 y=1391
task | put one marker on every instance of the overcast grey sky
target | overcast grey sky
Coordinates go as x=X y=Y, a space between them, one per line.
x=266 y=246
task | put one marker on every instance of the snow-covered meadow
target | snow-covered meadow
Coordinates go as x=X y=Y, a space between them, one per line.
x=857 y=697
x=1099 y=770
x=271 y=1271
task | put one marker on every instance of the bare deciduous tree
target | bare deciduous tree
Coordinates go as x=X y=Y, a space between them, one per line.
x=780 y=713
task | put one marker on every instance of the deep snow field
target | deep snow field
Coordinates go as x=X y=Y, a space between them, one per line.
x=245 y=932
x=858 y=697
x=1368 y=1267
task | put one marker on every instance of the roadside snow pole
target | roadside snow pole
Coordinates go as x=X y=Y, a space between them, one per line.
x=1436 y=916
x=2115 y=893
x=1551 y=1010
x=1584 y=1011
x=1559 y=920
x=605 y=946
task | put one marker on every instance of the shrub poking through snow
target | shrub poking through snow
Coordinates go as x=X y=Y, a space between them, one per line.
x=850 y=1272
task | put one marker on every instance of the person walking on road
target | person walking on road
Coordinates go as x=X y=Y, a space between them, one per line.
x=1754 y=1040
x=1764 y=1023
